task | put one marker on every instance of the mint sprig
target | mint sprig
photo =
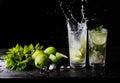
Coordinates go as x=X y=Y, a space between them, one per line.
x=99 y=28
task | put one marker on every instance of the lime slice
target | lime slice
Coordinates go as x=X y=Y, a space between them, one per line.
x=75 y=52
x=77 y=59
x=99 y=38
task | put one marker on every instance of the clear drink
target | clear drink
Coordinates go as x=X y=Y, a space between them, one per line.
x=77 y=34
x=97 y=46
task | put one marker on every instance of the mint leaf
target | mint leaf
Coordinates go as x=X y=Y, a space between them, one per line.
x=99 y=28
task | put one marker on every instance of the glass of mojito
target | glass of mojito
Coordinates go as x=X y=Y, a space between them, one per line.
x=97 y=46
x=77 y=34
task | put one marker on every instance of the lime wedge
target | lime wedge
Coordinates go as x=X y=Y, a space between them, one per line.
x=50 y=50
x=99 y=38
x=60 y=55
x=75 y=52
x=53 y=58
x=77 y=59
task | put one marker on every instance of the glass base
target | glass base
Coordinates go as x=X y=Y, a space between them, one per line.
x=77 y=65
x=97 y=65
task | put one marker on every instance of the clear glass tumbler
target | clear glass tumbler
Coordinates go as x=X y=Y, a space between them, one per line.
x=77 y=37
x=97 y=47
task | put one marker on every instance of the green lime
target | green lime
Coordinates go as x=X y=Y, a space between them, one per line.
x=50 y=50
x=98 y=38
x=41 y=60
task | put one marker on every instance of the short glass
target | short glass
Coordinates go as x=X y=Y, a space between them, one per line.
x=97 y=39
x=77 y=36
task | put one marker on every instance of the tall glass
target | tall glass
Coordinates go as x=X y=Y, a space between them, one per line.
x=97 y=47
x=77 y=34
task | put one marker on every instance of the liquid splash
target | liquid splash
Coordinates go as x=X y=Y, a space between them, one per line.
x=73 y=24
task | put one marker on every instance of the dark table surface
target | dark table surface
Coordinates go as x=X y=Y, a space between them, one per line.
x=110 y=71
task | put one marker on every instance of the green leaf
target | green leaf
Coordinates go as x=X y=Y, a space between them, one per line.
x=31 y=47
x=99 y=28
x=17 y=46
x=25 y=49
x=37 y=46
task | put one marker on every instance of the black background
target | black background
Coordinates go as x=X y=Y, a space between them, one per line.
x=31 y=21
x=27 y=21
